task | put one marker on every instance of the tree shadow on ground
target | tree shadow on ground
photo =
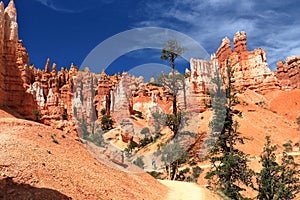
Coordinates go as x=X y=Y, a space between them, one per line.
x=9 y=190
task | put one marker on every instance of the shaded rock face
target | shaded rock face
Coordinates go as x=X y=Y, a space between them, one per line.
x=288 y=73
x=13 y=65
x=250 y=68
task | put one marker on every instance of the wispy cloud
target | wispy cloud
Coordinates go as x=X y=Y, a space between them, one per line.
x=71 y=6
x=50 y=4
x=273 y=26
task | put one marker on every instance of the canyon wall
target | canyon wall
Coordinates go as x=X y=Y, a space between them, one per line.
x=195 y=96
x=250 y=68
x=14 y=60
x=61 y=96
x=288 y=73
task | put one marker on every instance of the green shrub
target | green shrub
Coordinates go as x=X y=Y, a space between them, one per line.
x=130 y=146
x=145 y=130
x=146 y=141
x=196 y=172
x=55 y=141
x=103 y=111
x=186 y=170
x=155 y=174
x=260 y=104
x=139 y=162
x=106 y=123
x=288 y=146
x=298 y=120
x=37 y=115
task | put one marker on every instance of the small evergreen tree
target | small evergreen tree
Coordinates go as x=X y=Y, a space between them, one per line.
x=170 y=52
x=139 y=162
x=229 y=171
x=106 y=122
x=289 y=182
x=277 y=181
x=171 y=154
x=37 y=114
x=145 y=131
x=103 y=111
x=266 y=179
x=298 y=120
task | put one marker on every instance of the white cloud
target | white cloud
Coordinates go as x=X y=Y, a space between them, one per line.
x=50 y=4
x=272 y=26
x=71 y=6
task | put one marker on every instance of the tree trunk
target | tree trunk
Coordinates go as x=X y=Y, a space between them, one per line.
x=173 y=85
x=169 y=172
x=184 y=94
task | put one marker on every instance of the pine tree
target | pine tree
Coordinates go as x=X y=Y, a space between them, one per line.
x=106 y=121
x=267 y=178
x=275 y=180
x=229 y=171
x=170 y=52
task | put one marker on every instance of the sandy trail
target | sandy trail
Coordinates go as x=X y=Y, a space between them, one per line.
x=187 y=191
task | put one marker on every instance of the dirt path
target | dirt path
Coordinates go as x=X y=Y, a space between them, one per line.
x=187 y=191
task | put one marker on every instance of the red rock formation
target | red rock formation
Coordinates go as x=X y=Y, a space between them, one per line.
x=122 y=101
x=288 y=73
x=198 y=83
x=224 y=50
x=250 y=67
x=2 y=69
x=13 y=56
x=85 y=84
x=64 y=95
x=103 y=97
x=240 y=42
x=147 y=97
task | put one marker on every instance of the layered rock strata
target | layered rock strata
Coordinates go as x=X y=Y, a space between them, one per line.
x=13 y=56
x=288 y=73
x=250 y=68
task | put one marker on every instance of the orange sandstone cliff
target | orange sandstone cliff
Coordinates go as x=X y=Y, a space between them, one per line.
x=13 y=56
x=250 y=68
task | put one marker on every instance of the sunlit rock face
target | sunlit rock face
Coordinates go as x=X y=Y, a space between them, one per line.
x=250 y=68
x=288 y=73
x=14 y=65
x=64 y=95
x=194 y=95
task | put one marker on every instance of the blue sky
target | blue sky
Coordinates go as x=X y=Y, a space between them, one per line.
x=68 y=30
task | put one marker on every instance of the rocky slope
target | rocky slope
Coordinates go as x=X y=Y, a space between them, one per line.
x=33 y=166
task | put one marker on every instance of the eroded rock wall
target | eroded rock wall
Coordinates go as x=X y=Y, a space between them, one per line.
x=13 y=57
x=288 y=73
x=250 y=68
